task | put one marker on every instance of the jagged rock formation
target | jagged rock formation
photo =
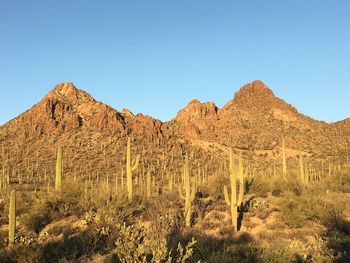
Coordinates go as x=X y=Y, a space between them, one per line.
x=197 y=119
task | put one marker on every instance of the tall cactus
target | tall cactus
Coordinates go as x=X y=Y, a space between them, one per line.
x=130 y=168
x=170 y=183
x=235 y=202
x=148 y=182
x=116 y=179
x=189 y=192
x=301 y=170
x=284 y=160
x=307 y=173
x=12 y=218
x=59 y=170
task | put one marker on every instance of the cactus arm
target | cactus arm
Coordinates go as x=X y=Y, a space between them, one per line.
x=227 y=198
x=181 y=195
x=136 y=163
x=241 y=192
x=193 y=192
x=241 y=182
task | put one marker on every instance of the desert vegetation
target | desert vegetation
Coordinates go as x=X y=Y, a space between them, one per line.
x=196 y=208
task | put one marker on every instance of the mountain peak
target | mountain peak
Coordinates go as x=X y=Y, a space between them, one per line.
x=127 y=113
x=194 y=101
x=65 y=88
x=256 y=88
x=254 y=95
x=68 y=92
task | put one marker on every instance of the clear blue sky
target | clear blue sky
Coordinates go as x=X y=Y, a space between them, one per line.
x=155 y=56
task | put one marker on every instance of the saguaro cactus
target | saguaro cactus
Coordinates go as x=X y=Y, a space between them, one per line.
x=12 y=218
x=59 y=170
x=307 y=173
x=189 y=192
x=284 y=160
x=148 y=182
x=235 y=202
x=170 y=182
x=301 y=170
x=130 y=168
x=116 y=179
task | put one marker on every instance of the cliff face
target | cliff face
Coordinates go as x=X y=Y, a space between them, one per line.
x=197 y=119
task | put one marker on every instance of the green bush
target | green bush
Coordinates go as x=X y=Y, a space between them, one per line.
x=133 y=245
x=292 y=213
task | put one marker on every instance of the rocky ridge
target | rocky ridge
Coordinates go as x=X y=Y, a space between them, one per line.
x=254 y=121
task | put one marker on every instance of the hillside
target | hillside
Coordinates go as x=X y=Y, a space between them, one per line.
x=255 y=120
x=83 y=182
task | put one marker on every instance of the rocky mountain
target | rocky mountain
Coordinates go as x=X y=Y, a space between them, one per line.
x=66 y=109
x=254 y=121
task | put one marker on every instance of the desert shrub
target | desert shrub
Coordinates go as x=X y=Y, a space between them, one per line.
x=57 y=230
x=166 y=218
x=216 y=183
x=85 y=244
x=281 y=251
x=53 y=206
x=209 y=249
x=340 y=242
x=292 y=212
x=333 y=214
x=98 y=237
x=291 y=185
x=132 y=245
x=323 y=209
x=37 y=219
x=20 y=254
x=277 y=192
x=340 y=182
x=113 y=205
x=261 y=186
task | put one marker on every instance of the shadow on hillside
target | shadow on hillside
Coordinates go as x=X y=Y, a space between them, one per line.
x=338 y=240
x=243 y=209
x=72 y=248
x=233 y=249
